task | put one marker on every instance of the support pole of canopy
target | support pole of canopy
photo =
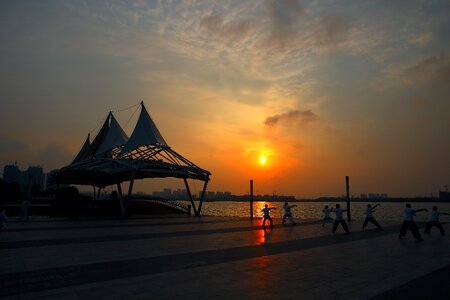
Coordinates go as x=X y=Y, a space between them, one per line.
x=190 y=196
x=98 y=193
x=55 y=194
x=122 y=204
x=130 y=190
x=203 y=196
x=95 y=193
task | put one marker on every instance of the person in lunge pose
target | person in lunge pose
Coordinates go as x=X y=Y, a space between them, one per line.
x=339 y=219
x=369 y=216
x=287 y=213
x=266 y=210
x=434 y=221
x=326 y=215
x=408 y=222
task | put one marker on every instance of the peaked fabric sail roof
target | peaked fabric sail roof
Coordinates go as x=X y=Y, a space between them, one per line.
x=145 y=133
x=84 y=151
x=112 y=158
x=115 y=136
x=98 y=141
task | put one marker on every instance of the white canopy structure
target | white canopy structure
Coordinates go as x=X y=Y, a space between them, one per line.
x=113 y=158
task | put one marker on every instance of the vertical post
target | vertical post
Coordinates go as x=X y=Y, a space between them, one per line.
x=203 y=195
x=130 y=191
x=122 y=204
x=188 y=190
x=348 y=198
x=251 y=199
x=98 y=193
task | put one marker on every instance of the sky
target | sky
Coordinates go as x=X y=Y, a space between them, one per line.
x=320 y=89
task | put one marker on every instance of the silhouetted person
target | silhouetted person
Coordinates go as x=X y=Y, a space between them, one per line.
x=339 y=219
x=326 y=215
x=370 y=218
x=24 y=209
x=266 y=210
x=2 y=218
x=434 y=221
x=288 y=213
x=408 y=222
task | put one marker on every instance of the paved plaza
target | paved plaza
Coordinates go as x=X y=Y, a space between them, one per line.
x=184 y=257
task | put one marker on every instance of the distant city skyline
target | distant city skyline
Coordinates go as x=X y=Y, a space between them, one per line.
x=295 y=95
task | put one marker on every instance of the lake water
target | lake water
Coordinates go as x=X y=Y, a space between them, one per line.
x=313 y=210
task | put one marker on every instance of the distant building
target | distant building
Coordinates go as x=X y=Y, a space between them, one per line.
x=11 y=173
x=444 y=196
x=33 y=176
x=377 y=196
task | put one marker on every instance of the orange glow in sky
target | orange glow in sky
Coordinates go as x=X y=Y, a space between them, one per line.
x=295 y=95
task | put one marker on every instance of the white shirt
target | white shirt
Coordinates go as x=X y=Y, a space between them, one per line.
x=338 y=213
x=409 y=214
x=326 y=213
x=434 y=216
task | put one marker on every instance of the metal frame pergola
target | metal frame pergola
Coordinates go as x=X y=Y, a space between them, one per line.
x=152 y=158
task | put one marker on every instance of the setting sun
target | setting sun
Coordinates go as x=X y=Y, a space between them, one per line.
x=262 y=159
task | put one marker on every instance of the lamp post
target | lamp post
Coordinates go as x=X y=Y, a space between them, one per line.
x=348 y=198
x=251 y=199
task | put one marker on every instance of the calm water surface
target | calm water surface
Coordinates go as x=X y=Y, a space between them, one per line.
x=313 y=210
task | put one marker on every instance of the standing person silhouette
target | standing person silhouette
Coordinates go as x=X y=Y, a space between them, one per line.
x=326 y=215
x=434 y=221
x=339 y=219
x=370 y=218
x=2 y=218
x=266 y=210
x=408 y=222
x=24 y=209
x=288 y=213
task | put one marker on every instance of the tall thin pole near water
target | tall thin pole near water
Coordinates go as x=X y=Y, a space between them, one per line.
x=251 y=199
x=348 y=198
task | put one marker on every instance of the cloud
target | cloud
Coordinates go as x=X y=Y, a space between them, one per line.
x=301 y=116
x=232 y=31
x=285 y=16
x=331 y=29
x=54 y=156
x=9 y=145
x=434 y=70
x=293 y=28
x=422 y=38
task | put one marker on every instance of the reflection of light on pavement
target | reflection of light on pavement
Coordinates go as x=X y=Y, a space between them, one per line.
x=262 y=261
x=260 y=237
x=263 y=236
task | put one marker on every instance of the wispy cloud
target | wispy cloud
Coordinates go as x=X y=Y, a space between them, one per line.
x=54 y=155
x=331 y=30
x=435 y=68
x=230 y=31
x=297 y=116
x=285 y=16
x=10 y=145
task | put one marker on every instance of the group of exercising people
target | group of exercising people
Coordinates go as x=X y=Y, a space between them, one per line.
x=408 y=220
